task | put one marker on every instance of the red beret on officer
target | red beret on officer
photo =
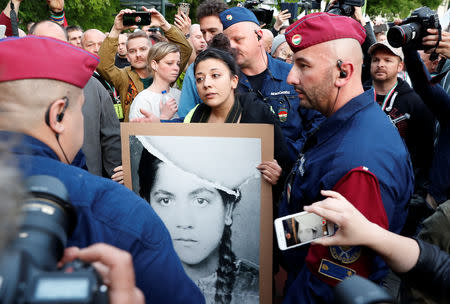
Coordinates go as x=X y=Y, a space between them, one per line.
x=321 y=27
x=34 y=57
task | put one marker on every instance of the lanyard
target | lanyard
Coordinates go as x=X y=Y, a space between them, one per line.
x=387 y=97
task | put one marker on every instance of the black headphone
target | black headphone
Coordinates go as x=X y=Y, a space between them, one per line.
x=259 y=36
x=60 y=116
x=343 y=73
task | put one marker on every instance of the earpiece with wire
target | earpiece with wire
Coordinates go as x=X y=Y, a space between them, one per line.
x=258 y=35
x=343 y=73
x=59 y=118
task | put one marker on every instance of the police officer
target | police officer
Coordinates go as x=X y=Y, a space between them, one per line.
x=41 y=113
x=356 y=151
x=266 y=77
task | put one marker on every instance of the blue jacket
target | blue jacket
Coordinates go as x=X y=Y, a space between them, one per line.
x=358 y=134
x=438 y=101
x=276 y=93
x=110 y=213
x=189 y=96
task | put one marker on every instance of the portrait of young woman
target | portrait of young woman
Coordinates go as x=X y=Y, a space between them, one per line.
x=199 y=206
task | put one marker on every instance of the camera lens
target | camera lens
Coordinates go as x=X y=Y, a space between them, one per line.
x=401 y=35
x=48 y=220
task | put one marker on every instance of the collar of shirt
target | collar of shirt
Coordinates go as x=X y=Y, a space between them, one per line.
x=334 y=123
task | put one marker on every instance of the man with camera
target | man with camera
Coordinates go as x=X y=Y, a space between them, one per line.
x=406 y=110
x=131 y=80
x=40 y=109
x=356 y=152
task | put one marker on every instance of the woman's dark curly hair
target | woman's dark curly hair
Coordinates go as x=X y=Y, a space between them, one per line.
x=226 y=271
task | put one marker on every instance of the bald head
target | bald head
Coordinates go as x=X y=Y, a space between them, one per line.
x=50 y=29
x=91 y=40
x=327 y=75
x=17 y=107
x=267 y=39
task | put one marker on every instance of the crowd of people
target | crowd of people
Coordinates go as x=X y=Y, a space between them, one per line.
x=350 y=112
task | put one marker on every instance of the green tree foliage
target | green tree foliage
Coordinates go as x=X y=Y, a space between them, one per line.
x=86 y=13
x=397 y=8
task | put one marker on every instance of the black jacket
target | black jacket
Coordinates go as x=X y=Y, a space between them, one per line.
x=431 y=274
x=414 y=122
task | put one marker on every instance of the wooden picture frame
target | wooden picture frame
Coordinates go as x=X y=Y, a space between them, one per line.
x=244 y=237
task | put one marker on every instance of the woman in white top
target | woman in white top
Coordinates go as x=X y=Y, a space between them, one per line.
x=163 y=60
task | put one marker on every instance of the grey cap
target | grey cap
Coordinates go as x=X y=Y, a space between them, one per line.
x=277 y=41
x=385 y=44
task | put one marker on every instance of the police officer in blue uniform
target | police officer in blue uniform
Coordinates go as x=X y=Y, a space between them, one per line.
x=266 y=77
x=41 y=118
x=356 y=151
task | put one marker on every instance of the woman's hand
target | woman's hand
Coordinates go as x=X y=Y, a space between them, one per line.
x=148 y=117
x=270 y=170
x=118 y=175
x=168 y=109
x=354 y=228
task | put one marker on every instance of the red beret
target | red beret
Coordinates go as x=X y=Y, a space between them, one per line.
x=34 y=57
x=322 y=27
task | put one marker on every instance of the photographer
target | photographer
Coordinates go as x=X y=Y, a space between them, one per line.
x=438 y=102
x=115 y=267
x=41 y=109
x=419 y=264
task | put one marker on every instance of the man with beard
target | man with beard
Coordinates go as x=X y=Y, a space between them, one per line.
x=131 y=80
x=410 y=116
x=356 y=152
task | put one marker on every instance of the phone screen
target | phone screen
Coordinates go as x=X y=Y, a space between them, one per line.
x=301 y=228
x=183 y=7
x=141 y=18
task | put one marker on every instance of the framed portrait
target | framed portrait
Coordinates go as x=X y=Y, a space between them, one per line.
x=202 y=181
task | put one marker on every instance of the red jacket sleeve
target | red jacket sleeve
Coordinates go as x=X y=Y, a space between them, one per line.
x=5 y=20
x=333 y=264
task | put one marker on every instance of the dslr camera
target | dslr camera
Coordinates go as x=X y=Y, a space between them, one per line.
x=413 y=29
x=28 y=265
x=345 y=7
x=263 y=15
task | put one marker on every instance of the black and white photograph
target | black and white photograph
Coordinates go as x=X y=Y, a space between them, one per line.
x=207 y=191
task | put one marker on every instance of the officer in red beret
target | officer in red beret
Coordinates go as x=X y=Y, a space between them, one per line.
x=356 y=151
x=41 y=85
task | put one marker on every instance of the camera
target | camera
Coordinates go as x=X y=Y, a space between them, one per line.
x=345 y=7
x=413 y=29
x=28 y=265
x=264 y=16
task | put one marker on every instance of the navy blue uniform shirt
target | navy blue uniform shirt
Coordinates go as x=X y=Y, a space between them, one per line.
x=110 y=213
x=358 y=134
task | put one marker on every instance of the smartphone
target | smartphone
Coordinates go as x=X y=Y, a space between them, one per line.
x=183 y=7
x=380 y=28
x=301 y=228
x=139 y=18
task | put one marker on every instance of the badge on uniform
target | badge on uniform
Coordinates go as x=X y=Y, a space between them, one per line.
x=335 y=271
x=345 y=254
x=282 y=114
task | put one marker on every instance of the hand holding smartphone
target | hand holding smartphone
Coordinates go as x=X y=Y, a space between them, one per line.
x=301 y=228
